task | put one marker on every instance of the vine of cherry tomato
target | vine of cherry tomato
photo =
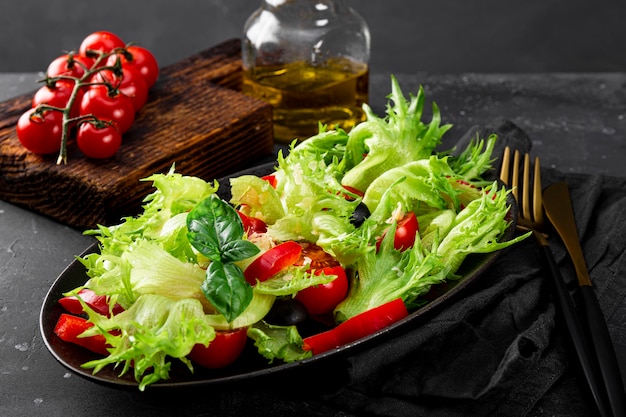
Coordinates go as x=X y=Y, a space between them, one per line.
x=93 y=93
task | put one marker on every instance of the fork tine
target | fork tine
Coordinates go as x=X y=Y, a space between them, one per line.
x=504 y=169
x=537 y=194
x=515 y=177
x=526 y=211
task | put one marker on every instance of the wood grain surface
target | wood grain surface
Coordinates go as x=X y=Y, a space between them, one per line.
x=195 y=118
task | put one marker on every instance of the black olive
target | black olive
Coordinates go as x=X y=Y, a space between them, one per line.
x=287 y=311
x=360 y=214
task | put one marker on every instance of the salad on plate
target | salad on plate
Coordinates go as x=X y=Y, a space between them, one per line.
x=349 y=231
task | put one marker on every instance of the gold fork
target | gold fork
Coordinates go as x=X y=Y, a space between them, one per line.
x=530 y=217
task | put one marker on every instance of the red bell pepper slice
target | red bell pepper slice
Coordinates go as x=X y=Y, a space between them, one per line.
x=98 y=303
x=357 y=327
x=271 y=179
x=69 y=327
x=272 y=262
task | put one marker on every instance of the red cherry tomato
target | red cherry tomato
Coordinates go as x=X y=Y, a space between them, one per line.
x=405 y=232
x=40 y=133
x=69 y=64
x=252 y=224
x=142 y=60
x=130 y=83
x=118 y=108
x=324 y=298
x=100 y=42
x=57 y=96
x=406 y=229
x=98 y=142
x=222 y=351
x=272 y=262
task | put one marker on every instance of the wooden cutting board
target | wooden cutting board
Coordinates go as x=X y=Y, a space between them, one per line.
x=195 y=118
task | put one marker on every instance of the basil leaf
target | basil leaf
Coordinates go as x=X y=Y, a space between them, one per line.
x=238 y=250
x=226 y=288
x=211 y=225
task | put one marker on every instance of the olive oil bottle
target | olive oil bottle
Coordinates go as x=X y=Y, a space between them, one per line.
x=309 y=60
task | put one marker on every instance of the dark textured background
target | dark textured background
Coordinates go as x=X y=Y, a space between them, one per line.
x=444 y=36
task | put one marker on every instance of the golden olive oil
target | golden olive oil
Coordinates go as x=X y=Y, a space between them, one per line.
x=303 y=95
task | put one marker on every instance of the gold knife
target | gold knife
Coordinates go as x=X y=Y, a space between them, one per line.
x=559 y=210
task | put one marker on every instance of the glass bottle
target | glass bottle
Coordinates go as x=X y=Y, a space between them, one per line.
x=308 y=59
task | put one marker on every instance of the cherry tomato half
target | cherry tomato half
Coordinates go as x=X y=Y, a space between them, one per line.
x=118 y=108
x=272 y=262
x=406 y=229
x=252 y=224
x=98 y=142
x=100 y=42
x=222 y=351
x=40 y=133
x=322 y=299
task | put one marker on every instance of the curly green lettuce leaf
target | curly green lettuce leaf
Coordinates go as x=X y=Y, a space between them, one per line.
x=278 y=342
x=380 y=144
x=478 y=228
x=153 y=330
x=147 y=268
x=258 y=197
x=389 y=274
x=475 y=159
x=175 y=194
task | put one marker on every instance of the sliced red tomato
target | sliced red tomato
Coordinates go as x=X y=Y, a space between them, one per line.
x=321 y=299
x=357 y=327
x=222 y=351
x=69 y=327
x=252 y=224
x=314 y=256
x=272 y=262
x=98 y=303
x=406 y=230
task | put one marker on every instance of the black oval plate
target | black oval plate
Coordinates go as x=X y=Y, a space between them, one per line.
x=251 y=365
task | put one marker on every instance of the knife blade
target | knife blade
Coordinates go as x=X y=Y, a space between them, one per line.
x=559 y=210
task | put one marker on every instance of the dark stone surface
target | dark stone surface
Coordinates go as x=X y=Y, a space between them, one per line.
x=450 y=36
